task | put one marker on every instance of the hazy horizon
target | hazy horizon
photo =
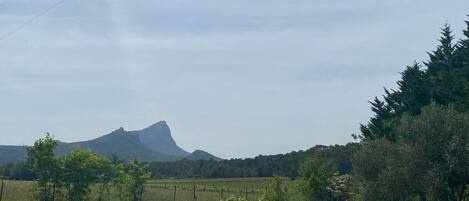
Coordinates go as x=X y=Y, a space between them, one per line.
x=233 y=78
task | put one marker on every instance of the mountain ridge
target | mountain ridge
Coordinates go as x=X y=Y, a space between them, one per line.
x=151 y=144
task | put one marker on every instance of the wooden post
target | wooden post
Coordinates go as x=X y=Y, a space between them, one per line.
x=174 y=195
x=220 y=193
x=246 y=193
x=1 y=191
x=194 y=198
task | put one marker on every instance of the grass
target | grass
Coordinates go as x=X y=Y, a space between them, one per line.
x=163 y=190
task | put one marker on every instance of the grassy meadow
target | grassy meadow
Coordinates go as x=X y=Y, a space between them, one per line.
x=163 y=190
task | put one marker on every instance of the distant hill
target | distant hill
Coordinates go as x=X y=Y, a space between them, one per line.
x=151 y=144
x=201 y=155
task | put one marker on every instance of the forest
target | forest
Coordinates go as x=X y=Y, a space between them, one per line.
x=414 y=147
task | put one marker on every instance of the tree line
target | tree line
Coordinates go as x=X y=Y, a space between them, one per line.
x=260 y=166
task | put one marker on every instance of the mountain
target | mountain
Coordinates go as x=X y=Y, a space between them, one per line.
x=151 y=144
x=158 y=138
x=201 y=155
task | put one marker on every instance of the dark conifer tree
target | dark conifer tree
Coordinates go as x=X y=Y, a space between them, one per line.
x=445 y=81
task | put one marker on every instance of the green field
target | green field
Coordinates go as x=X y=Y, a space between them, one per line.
x=164 y=190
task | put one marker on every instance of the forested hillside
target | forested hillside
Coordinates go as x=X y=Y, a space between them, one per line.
x=260 y=166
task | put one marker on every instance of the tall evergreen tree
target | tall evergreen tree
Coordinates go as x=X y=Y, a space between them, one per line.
x=440 y=67
x=462 y=102
x=445 y=81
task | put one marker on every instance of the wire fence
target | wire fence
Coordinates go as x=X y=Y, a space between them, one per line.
x=196 y=191
x=154 y=191
x=18 y=191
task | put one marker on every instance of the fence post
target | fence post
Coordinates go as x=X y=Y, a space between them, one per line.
x=194 y=197
x=220 y=193
x=1 y=191
x=174 y=195
x=246 y=193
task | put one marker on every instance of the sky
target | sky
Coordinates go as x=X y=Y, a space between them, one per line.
x=234 y=78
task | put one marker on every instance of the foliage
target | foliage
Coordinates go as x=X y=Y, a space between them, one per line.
x=439 y=138
x=71 y=176
x=380 y=170
x=43 y=163
x=341 y=187
x=428 y=161
x=275 y=192
x=17 y=171
x=81 y=169
x=233 y=198
x=315 y=180
x=260 y=166
x=138 y=175
x=445 y=81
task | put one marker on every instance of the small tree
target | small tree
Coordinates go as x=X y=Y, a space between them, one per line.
x=275 y=192
x=138 y=174
x=82 y=168
x=43 y=163
x=107 y=173
x=315 y=180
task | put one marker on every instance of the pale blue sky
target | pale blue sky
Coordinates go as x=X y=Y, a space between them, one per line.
x=235 y=78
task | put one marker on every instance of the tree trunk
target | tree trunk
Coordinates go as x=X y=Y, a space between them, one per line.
x=423 y=197
x=45 y=192
x=462 y=193
x=53 y=192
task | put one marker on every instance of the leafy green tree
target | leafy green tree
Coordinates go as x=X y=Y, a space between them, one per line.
x=107 y=174
x=429 y=160
x=275 y=192
x=81 y=169
x=440 y=140
x=315 y=180
x=384 y=171
x=138 y=174
x=43 y=163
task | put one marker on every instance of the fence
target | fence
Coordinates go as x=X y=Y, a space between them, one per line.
x=17 y=190
x=197 y=191
x=1 y=190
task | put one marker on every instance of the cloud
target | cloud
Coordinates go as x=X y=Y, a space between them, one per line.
x=265 y=76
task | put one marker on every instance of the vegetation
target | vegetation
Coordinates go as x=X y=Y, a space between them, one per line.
x=428 y=161
x=316 y=180
x=416 y=145
x=206 y=189
x=414 y=148
x=43 y=163
x=71 y=176
x=260 y=166
x=276 y=192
